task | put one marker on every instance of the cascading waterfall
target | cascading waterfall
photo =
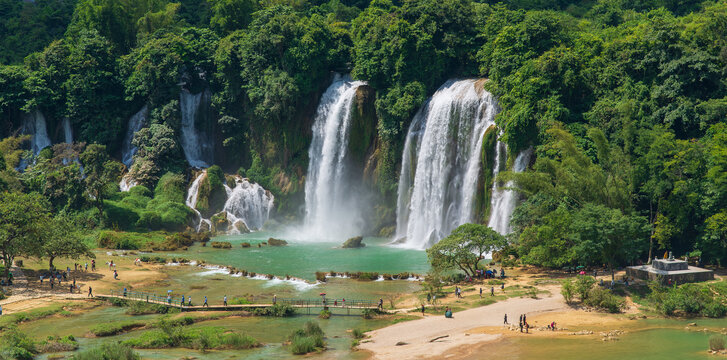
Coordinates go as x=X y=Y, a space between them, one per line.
x=191 y=201
x=331 y=202
x=248 y=202
x=34 y=125
x=136 y=122
x=197 y=146
x=67 y=131
x=504 y=200
x=441 y=162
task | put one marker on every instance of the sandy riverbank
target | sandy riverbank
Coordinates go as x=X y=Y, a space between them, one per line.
x=415 y=337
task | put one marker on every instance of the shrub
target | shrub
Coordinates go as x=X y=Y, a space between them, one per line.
x=567 y=290
x=307 y=340
x=357 y=333
x=276 y=310
x=605 y=300
x=716 y=342
x=108 y=351
x=583 y=286
x=320 y=276
x=325 y=314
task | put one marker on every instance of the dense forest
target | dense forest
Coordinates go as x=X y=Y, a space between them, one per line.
x=624 y=103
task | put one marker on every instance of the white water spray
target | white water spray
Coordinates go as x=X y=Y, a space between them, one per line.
x=248 y=202
x=67 y=131
x=191 y=201
x=504 y=199
x=332 y=203
x=136 y=123
x=441 y=162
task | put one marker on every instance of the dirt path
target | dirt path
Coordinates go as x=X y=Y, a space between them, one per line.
x=417 y=334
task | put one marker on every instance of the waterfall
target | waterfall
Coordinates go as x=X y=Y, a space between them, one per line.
x=67 y=131
x=127 y=182
x=441 y=162
x=504 y=200
x=197 y=146
x=136 y=122
x=35 y=126
x=331 y=200
x=191 y=201
x=249 y=203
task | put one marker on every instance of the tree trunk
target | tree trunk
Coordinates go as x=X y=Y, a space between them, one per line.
x=50 y=263
x=8 y=262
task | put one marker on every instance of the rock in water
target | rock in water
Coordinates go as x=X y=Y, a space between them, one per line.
x=354 y=242
x=241 y=227
x=277 y=242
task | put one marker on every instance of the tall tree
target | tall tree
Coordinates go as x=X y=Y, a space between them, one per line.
x=62 y=240
x=464 y=248
x=100 y=171
x=23 y=220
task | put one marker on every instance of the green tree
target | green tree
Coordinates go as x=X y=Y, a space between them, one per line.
x=464 y=248
x=62 y=240
x=608 y=236
x=23 y=220
x=231 y=15
x=100 y=171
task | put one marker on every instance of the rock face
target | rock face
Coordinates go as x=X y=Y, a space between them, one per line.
x=354 y=242
x=220 y=222
x=277 y=242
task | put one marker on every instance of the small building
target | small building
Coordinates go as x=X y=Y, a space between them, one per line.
x=664 y=270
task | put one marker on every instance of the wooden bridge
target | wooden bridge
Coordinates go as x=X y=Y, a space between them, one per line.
x=176 y=302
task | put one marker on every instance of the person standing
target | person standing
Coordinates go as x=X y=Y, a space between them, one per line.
x=525 y=318
x=90 y=292
x=225 y=300
x=505 y=322
x=480 y=292
x=492 y=291
x=381 y=304
x=205 y=301
x=502 y=287
x=422 y=309
x=182 y=302
x=70 y=288
x=275 y=299
x=189 y=301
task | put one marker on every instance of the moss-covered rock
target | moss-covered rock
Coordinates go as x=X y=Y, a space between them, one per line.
x=353 y=243
x=485 y=180
x=363 y=124
x=221 y=244
x=245 y=244
x=212 y=195
x=241 y=227
x=220 y=223
x=277 y=242
x=387 y=231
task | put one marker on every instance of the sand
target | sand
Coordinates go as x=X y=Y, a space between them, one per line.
x=459 y=331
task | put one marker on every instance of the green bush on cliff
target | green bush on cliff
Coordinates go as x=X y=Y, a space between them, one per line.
x=212 y=195
x=167 y=210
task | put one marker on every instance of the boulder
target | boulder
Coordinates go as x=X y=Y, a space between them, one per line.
x=241 y=227
x=221 y=245
x=245 y=244
x=277 y=242
x=354 y=242
x=220 y=222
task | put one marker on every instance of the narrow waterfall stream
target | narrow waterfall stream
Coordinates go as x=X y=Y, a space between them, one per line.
x=197 y=145
x=332 y=204
x=504 y=199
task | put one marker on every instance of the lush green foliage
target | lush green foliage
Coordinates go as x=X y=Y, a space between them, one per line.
x=112 y=350
x=690 y=299
x=623 y=103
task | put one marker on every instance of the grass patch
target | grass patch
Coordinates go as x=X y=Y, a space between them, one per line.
x=115 y=328
x=110 y=350
x=307 y=340
x=172 y=334
x=33 y=315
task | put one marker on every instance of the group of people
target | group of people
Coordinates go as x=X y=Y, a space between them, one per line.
x=490 y=273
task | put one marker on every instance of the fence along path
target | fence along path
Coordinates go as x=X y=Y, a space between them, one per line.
x=176 y=302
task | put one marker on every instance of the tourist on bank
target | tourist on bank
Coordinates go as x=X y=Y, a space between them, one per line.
x=502 y=287
x=205 y=301
x=189 y=301
x=492 y=291
x=505 y=322
x=480 y=292
x=422 y=309
x=225 y=300
x=90 y=291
